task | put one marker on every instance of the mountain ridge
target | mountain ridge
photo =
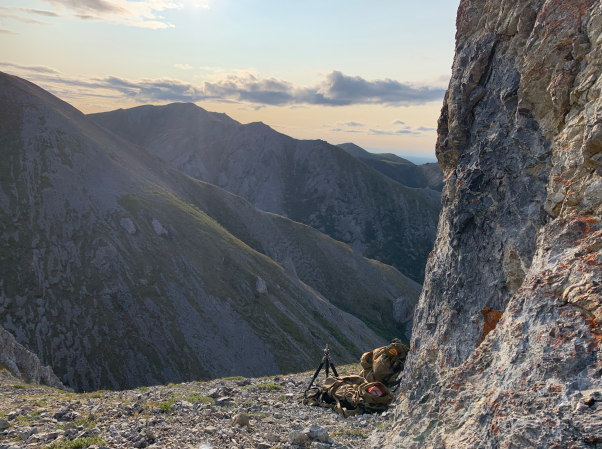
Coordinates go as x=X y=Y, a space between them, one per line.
x=360 y=153
x=311 y=182
x=112 y=273
x=407 y=173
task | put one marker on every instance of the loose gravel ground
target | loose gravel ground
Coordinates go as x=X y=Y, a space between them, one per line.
x=211 y=414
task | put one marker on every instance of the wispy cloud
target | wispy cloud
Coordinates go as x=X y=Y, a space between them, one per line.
x=33 y=69
x=183 y=66
x=352 y=124
x=404 y=130
x=9 y=13
x=342 y=130
x=336 y=89
x=252 y=108
x=141 y=13
x=40 y=12
x=383 y=132
x=5 y=31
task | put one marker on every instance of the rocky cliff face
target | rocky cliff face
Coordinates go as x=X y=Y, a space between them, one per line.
x=311 y=182
x=25 y=364
x=507 y=335
x=120 y=271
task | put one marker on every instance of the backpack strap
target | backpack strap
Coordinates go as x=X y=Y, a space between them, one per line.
x=344 y=412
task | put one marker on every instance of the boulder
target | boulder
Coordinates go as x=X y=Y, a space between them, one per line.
x=297 y=438
x=316 y=432
x=241 y=419
x=261 y=286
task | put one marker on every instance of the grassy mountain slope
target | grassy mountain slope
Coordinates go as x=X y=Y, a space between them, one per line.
x=311 y=182
x=118 y=270
x=399 y=169
x=378 y=294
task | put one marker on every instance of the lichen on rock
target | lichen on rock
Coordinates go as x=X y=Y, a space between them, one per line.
x=520 y=234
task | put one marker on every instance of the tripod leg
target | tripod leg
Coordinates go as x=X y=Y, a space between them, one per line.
x=334 y=370
x=327 y=368
x=314 y=378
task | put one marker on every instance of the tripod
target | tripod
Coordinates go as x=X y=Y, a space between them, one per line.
x=327 y=364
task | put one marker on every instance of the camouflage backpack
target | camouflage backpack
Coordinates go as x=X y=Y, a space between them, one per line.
x=350 y=396
x=384 y=364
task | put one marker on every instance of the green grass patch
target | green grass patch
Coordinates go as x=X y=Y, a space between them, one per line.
x=233 y=378
x=201 y=399
x=166 y=406
x=257 y=415
x=78 y=443
x=18 y=387
x=282 y=398
x=85 y=422
x=230 y=405
x=270 y=387
x=355 y=432
x=143 y=389
x=98 y=394
x=381 y=426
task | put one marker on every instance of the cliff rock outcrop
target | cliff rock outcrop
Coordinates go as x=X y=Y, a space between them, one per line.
x=507 y=334
x=25 y=364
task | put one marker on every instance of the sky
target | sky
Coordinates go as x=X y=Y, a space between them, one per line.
x=369 y=72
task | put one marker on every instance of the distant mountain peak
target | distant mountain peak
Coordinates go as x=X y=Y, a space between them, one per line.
x=309 y=181
x=399 y=169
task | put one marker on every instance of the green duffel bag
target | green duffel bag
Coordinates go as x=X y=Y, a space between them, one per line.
x=350 y=396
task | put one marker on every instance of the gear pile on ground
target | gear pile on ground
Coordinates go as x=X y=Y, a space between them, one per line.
x=223 y=413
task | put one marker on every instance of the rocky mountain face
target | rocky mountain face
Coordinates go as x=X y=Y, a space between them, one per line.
x=399 y=169
x=378 y=294
x=507 y=334
x=24 y=364
x=118 y=270
x=311 y=182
